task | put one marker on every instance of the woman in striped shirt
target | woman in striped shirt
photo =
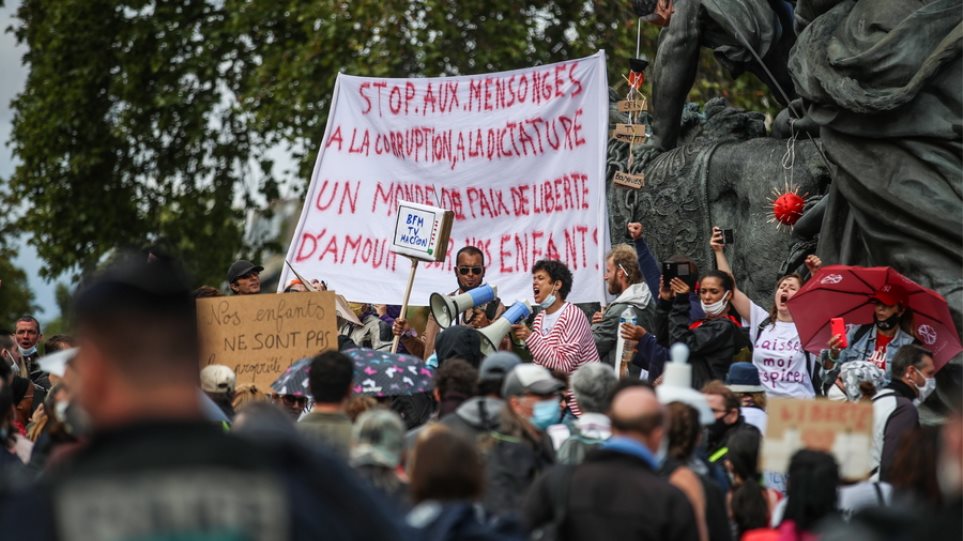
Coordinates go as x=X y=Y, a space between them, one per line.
x=561 y=337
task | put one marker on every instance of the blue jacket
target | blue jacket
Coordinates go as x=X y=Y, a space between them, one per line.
x=652 y=353
x=862 y=348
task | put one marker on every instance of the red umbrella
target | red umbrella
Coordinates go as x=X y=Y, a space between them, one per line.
x=847 y=292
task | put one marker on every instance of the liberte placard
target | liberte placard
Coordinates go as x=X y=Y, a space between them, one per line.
x=517 y=157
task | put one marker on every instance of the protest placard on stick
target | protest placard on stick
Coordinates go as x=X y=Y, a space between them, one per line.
x=841 y=428
x=259 y=336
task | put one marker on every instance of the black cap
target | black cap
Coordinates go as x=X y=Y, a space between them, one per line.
x=133 y=283
x=240 y=268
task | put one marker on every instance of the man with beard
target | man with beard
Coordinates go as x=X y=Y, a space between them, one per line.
x=624 y=280
x=877 y=343
x=470 y=273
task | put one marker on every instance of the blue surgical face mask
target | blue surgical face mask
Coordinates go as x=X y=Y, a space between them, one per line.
x=549 y=300
x=545 y=413
x=27 y=352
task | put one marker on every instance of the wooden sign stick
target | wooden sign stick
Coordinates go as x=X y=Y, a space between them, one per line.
x=404 y=303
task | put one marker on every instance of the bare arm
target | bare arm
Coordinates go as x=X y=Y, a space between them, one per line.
x=686 y=481
x=739 y=299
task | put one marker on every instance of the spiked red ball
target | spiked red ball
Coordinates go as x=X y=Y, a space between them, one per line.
x=788 y=208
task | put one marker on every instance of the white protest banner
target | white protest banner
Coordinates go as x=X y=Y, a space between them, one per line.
x=518 y=157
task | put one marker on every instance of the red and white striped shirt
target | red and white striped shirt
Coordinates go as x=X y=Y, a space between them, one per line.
x=568 y=345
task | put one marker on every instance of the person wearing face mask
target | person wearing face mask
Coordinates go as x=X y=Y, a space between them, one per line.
x=894 y=407
x=519 y=450
x=785 y=369
x=728 y=419
x=617 y=493
x=876 y=342
x=560 y=338
x=28 y=335
x=714 y=340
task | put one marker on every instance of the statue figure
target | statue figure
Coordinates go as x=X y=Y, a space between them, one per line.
x=741 y=32
x=883 y=81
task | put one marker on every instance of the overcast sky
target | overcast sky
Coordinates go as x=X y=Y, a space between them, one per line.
x=12 y=77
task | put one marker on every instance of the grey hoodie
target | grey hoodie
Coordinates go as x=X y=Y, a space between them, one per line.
x=476 y=416
x=606 y=331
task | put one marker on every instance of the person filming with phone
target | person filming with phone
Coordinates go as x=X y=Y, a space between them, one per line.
x=877 y=342
x=785 y=369
x=713 y=340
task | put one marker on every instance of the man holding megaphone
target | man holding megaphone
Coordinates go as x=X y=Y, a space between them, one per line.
x=470 y=274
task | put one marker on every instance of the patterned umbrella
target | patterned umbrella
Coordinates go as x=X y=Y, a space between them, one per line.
x=376 y=373
x=294 y=380
x=381 y=373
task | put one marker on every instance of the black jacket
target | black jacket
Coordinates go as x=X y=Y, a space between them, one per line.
x=712 y=345
x=613 y=495
x=133 y=482
x=514 y=462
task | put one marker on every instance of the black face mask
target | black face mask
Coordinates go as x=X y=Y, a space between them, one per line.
x=888 y=323
x=717 y=429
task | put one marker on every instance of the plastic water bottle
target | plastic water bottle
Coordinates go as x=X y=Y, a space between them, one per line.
x=624 y=349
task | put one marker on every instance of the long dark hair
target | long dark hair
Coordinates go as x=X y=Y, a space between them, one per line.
x=728 y=284
x=812 y=489
x=750 y=507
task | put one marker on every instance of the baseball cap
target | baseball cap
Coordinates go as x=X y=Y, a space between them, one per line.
x=530 y=378
x=497 y=365
x=217 y=378
x=890 y=294
x=379 y=437
x=240 y=268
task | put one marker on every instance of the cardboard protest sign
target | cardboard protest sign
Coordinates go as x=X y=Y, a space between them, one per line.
x=260 y=336
x=517 y=157
x=844 y=429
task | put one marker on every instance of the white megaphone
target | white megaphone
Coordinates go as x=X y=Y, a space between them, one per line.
x=446 y=308
x=493 y=334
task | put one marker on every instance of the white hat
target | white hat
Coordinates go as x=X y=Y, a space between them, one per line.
x=217 y=378
x=530 y=378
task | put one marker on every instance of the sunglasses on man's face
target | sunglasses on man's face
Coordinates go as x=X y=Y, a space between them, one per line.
x=291 y=400
x=474 y=270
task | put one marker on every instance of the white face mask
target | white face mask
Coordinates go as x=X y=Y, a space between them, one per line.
x=716 y=308
x=549 y=300
x=926 y=390
x=836 y=394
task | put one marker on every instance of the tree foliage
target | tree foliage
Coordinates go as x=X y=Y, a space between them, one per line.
x=147 y=122
x=16 y=299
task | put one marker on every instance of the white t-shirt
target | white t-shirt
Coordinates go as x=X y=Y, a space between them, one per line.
x=548 y=320
x=779 y=356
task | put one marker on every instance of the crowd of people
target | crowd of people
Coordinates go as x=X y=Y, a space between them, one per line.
x=114 y=432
